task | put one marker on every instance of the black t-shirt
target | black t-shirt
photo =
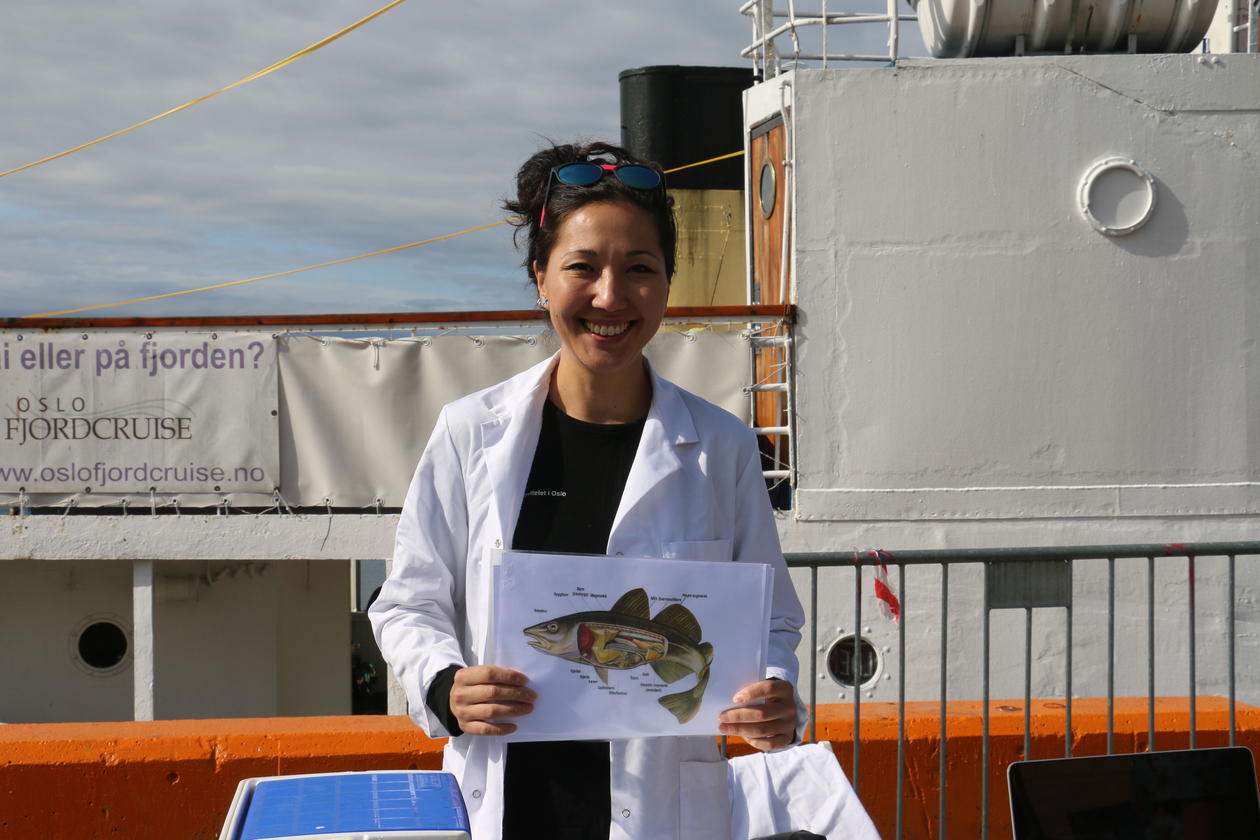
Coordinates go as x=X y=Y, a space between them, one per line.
x=575 y=484
x=559 y=789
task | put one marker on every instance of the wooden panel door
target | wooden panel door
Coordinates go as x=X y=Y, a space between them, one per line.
x=770 y=284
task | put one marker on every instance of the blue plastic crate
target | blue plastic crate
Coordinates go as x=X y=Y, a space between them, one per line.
x=390 y=805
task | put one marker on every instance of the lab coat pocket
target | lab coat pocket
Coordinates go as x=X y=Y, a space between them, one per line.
x=704 y=800
x=713 y=550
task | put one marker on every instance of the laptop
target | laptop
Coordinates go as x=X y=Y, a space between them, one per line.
x=1191 y=794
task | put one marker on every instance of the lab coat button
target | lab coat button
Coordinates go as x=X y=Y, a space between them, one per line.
x=625 y=812
x=476 y=794
x=498 y=543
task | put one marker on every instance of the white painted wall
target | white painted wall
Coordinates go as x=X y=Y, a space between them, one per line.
x=264 y=638
x=971 y=350
x=42 y=605
x=313 y=639
x=215 y=653
x=978 y=367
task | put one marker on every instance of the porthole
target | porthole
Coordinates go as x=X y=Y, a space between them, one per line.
x=849 y=667
x=100 y=645
x=766 y=189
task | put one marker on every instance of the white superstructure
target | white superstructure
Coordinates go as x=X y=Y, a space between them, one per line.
x=1027 y=316
x=1027 y=308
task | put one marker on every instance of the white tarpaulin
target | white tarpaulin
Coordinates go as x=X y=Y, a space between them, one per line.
x=113 y=413
x=356 y=413
x=352 y=414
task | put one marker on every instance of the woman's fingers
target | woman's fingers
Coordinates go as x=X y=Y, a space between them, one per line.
x=489 y=683
x=767 y=744
x=770 y=724
x=478 y=727
x=484 y=694
x=490 y=675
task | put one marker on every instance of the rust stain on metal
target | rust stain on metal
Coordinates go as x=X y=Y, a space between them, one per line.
x=787 y=312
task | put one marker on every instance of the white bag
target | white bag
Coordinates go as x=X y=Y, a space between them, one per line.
x=797 y=788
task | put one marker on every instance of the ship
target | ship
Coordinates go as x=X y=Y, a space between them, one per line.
x=993 y=315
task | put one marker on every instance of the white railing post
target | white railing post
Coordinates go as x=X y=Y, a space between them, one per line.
x=894 y=31
x=142 y=664
x=769 y=55
x=766 y=56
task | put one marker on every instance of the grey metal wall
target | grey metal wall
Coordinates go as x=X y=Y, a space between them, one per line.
x=979 y=367
x=970 y=348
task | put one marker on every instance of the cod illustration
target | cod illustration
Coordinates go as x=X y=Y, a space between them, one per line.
x=626 y=637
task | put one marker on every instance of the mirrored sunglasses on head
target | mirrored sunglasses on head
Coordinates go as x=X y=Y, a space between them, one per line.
x=631 y=174
x=584 y=173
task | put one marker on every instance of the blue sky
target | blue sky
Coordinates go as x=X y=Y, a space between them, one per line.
x=408 y=128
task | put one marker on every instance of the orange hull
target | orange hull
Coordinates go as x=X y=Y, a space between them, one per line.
x=173 y=780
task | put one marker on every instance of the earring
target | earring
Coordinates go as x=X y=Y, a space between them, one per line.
x=542 y=302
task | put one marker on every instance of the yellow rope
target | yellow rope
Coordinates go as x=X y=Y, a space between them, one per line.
x=703 y=162
x=283 y=62
x=392 y=250
x=267 y=276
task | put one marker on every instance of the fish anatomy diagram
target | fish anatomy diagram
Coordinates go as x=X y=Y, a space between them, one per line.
x=625 y=637
x=621 y=647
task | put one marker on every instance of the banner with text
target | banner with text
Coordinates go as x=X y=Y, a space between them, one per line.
x=116 y=413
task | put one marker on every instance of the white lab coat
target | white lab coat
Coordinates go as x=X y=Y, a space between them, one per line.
x=695 y=491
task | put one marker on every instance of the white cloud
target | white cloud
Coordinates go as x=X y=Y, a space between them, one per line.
x=410 y=127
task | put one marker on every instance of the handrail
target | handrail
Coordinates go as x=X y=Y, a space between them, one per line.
x=980 y=555
x=768 y=59
x=385 y=319
x=1044 y=580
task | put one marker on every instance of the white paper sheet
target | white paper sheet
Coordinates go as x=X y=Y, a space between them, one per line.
x=602 y=674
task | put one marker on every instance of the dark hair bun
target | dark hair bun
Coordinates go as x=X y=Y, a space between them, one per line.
x=534 y=177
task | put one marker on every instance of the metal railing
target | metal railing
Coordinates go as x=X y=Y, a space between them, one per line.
x=771 y=27
x=1030 y=579
x=775 y=430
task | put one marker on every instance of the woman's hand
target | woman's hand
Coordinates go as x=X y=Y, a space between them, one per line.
x=768 y=726
x=482 y=695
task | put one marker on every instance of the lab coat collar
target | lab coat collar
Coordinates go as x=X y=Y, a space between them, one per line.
x=668 y=426
x=510 y=439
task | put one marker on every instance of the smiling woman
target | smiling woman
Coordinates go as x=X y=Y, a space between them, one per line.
x=606 y=289
x=623 y=463
x=601 y=236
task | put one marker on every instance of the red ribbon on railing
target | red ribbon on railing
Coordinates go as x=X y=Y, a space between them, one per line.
x=1177 y=549
x=884 y=593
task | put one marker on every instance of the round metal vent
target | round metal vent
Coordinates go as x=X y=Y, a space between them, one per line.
x=1117 y=196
